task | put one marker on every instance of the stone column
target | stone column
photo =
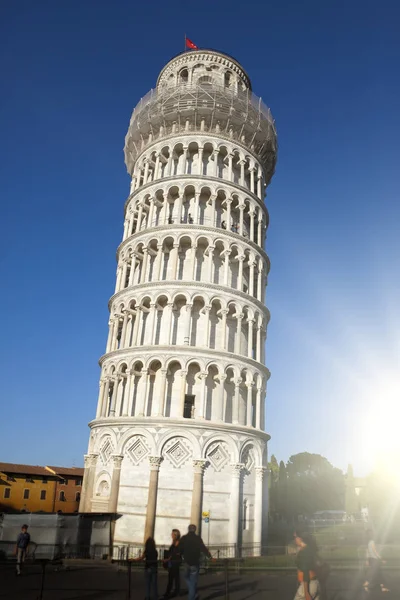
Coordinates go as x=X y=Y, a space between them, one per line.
x=174 y=265
x=196 y=217
x=259 y=231
x=259 y=282
x=179 y=209
x=146 y=172
x=143 y=277
x=230 y=161
x=242 y=163
x=202 y=407
x=228 y=214
x=193 y=262
x=235 y=503
x=258 y=509
x=158 y=265
x=118 y=280
x=155 y=462
x=252 y=169
x=227 y=253
x=210 y=263
x=156 y=175
x=124 y=326
x=252 y=213
x=138 y=314
x=252 y=265
x=182 y=393
x=142 y=395
x=197 y=495
x=167 y=326
x=133 y=267
x=200 y=160
x=127 y=399
x=163 y=383
x=224 y=313
x=151 y=212
x=241 y=220
x=110 y=335
x=236 y=399
x=114 y=396
x=116 y=477
x=221 y=403
x=90 y=472
x=258 y=346
x=250 y=338
x=258 y=408
x=139 y=218
x=102 y=383
x=249 y=407
x=238 y=340
x=240 y=274
x=216 y=153
x=259 y=187
x=188 y=317
x=152 y=324
x=207 y=326
x=106 y=397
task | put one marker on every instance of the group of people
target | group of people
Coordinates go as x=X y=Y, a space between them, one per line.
x=313 y=572
x=186 y=550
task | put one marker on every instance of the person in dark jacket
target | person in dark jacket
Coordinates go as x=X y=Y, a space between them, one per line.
x=173 y=563
x=21 y=548
x=150 y=556
x=192 y=547
x=306 y=567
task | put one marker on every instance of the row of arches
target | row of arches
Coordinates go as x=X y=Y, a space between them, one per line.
x=189 y=258
x=197 y=205
x=199 y=157
x=159 y=320
x=229 y=76
x=169 y=390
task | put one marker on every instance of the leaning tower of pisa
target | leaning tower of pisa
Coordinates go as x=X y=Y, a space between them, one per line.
x=179 y=431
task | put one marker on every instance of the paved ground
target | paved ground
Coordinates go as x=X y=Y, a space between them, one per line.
x=90 y=581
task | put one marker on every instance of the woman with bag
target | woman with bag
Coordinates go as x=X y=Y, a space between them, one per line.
x=173 y=563
x=374 y=562
x=306 y=567
x=150 y=556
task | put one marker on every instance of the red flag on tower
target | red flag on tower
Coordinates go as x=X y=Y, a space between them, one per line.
x=190 y=44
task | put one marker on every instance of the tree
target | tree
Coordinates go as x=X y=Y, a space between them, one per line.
x=312 y=484
x=273 y=469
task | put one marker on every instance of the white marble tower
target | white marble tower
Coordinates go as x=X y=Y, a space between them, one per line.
x=180 y=419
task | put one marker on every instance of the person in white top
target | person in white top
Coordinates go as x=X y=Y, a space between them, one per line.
x=374 y=562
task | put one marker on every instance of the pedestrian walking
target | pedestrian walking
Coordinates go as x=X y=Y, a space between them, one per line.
x=308 y=588
x=374 y=562
x=21 y=548
x=150 y=556
x=173 y=564
x=191 y=547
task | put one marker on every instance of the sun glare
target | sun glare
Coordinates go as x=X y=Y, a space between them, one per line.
x=380 y=434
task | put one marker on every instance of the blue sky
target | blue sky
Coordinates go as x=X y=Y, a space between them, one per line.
x=71 y=74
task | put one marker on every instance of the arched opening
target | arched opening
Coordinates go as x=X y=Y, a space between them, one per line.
x=172 y=407
x=153 y=396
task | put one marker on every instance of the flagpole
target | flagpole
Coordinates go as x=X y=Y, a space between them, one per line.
x=184 y=47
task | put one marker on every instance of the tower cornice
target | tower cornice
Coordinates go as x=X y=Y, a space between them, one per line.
x=168 y=229
x=192 y=285
x=180 y=350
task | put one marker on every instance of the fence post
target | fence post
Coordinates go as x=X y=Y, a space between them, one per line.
x=226 y=580
x=43 y=562
x=129 y=579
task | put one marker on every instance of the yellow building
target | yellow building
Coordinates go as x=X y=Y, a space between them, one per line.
x=27 y=488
